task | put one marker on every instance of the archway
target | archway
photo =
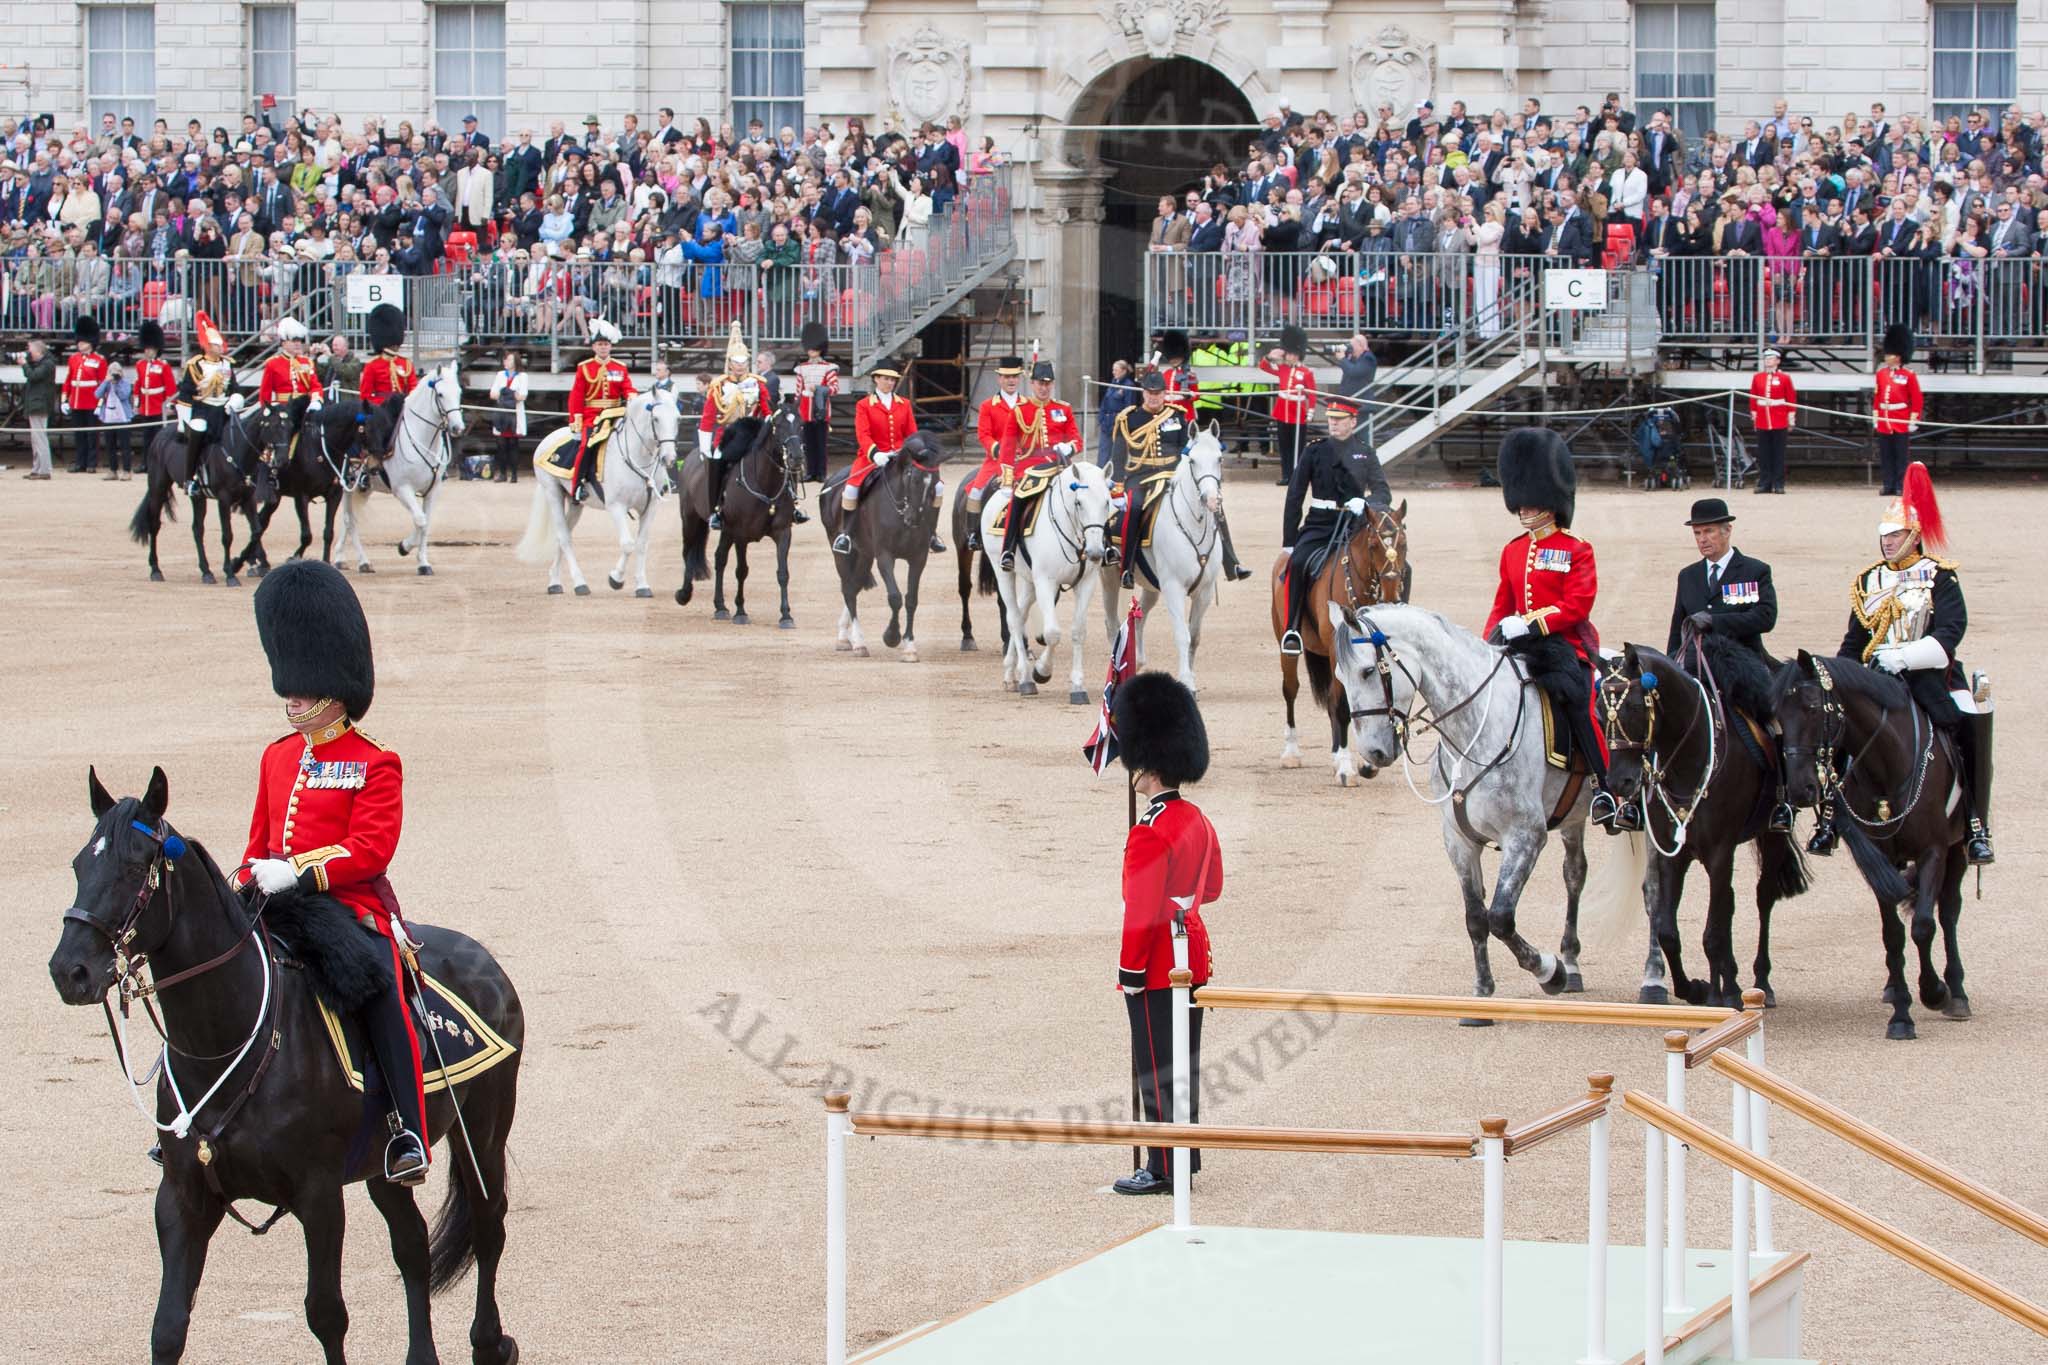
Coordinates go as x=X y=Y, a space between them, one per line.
x=1138 y=165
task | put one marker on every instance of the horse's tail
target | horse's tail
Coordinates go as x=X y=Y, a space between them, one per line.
x=144 y=523
x=1612 y=898
x=533 y=546
x=1782 y=872
x=696 y=535
x=1886 y=882
x=986 y=579
x=451 y=1250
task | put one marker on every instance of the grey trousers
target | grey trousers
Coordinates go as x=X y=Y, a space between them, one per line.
x=39 y=444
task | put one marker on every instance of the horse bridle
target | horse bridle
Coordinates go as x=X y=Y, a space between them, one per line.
x=782 y=465
x=1341 y=533
x=1613 y=698
x=1200 y=510
x=1385 y=661
x=1077 y=540
x=437 y=426
x=1832 y=779
x=661 y=444
x=907 y=509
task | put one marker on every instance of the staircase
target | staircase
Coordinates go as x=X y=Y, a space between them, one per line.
x=917 y=283
x=1471 y=385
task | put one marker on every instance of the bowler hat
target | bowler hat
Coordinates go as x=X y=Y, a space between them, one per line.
x=1709 y=512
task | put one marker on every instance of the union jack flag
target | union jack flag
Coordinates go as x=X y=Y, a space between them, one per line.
x=1101 y=748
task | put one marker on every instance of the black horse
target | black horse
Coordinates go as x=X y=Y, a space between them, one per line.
x=966 y=532
x=286 y=1121
x=895 y=519
x=1857 y=737
x=321 y=464
x=759 y=504
x=1680 y=744
x=233 y=471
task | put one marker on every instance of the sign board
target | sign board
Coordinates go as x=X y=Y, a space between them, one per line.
x=1575 y=291
x=367 y=291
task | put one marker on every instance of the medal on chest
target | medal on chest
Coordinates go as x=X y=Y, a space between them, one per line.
x=340 y=775
x=1740 y=594
x=1553 y=561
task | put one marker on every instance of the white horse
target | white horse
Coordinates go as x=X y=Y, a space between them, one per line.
x=637 y=460
x=1069 y=539
x=1404 y=669
x=1185 y=560
x=421 y=449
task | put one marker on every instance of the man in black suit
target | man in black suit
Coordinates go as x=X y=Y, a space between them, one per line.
x=472 y=135
x=839 y=204
x=1742 y=244
x=1570 y=240
x=1662 y=242
x=1726 y=593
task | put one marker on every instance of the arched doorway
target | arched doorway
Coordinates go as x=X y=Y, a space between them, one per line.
x=1138 y=165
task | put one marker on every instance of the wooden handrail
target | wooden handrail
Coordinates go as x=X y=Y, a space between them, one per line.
x=1889 y=1150
x=1701 y=1050
x=1466 y=1007
x=1564 y=1118
x=1838 y=1211
x=990 y=1129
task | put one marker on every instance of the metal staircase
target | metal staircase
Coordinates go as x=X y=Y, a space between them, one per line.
x=919 y=282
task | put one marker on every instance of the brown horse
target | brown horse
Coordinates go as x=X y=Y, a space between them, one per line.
x=1373 y=569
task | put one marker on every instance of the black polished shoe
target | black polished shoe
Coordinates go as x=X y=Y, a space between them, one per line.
x=405 y=1159
x=1290 y=643
x=798 y=516
x=1237 y=572
x=1978 y=850
x=938 y=546
x=842 y=544
x=717 y=522
x=1605 y=811
x=1142 y=1181
x=1008 y=562
x=156 y=1154
x=1130 y=580
x=1822 y=844
x=973 y=542
x=1628 y=818
x=1781 y=818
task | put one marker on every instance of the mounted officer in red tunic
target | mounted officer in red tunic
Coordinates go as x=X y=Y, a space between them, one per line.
x=1172 y=868
x=993 y=423
x=597 y=400
x=329 y=807
x=388 y=372
x=1043 y=433
x=883 y=423
x=287 y=375
x=1542 y=609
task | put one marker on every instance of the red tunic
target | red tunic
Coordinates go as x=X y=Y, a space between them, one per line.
x=83 y=374
x=1182 y=389
x=385 y=375
x=599 y=386
x=816 y=382
x=993 y=423
x=333 y=810
x=878 y=426
x=155 y=383
x=287 y=377
x=1171 y=863
x=1771 y=396
x=708 y=419
x=1551 y=584
x=1897 y=402
x=1294 y=392
x=1035 y=430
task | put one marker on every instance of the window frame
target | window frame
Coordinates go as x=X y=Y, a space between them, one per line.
x=769 y=106
x=124 y=103
x=1992 y=105
x=288 y=98
x=448 y=109
x=1676 y=104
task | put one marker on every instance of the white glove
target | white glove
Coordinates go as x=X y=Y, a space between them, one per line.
x=704 y=444
x=1064 y=448
x=1355 y=507
x=274 y=876
x=314 y=406
x=1925 y=652
x=882 y=457
x=1132 y=990
x=236 y=402
x=1513 y=627
x=197 y=424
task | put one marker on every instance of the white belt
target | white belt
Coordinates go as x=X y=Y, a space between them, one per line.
x=1324 y=504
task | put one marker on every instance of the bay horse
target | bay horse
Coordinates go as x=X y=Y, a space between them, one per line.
x=1371 y=571
x=759 y=504
x=246 y=441
x=1064 y=548
x=1680 y=744
x=1401 y=669
x=319 y=466
x=1856 y=737
x=154 y=918
x=637 y=460
x=895 y=520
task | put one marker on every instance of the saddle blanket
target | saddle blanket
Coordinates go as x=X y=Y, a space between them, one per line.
x=1030 y=484
x=556 y=453
x=469 y=1045
x=1150 y=491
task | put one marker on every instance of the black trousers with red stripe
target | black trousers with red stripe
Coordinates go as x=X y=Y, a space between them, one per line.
x=1152 y=1070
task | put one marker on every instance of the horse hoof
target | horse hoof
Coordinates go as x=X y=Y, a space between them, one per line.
x=643 y=592
x=1553 y=984
x=207 y=579
x=1475 y=1023
x=366 y=568
x=426 y=571
x=786 y=623
x=1078 y=697
x=1694 y=992
x=1041 y=676
x=892 y=636
x=1935 y=996
x=967 y=645
x=402 y=550
x=1574 y=984
x=554 y=589
x=1958 y=1007
x=1366 y=772
x=1027 y=688
x=1770 y=998
x=909 y=654
x=259 y=571
x=1900 y=1031
x=1009 y=685
x=740 y=618
x=861 y=652
x=506 y=1352
x=233 y=581
x=721 y=615
x=156 y=575
x=298 y=554
x=583 y=590
x=841 y=647
x=1653 y=995
x=1290 y=760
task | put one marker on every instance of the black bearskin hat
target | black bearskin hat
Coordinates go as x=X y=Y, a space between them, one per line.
x=1173 y=347
x=1536 y=471
x=386 y=327
x=149 y=337
x=86 y=329
x=1898 y=341
x=1293 y=340
x=313 y=629
x=816 y=338
x=1159 y=729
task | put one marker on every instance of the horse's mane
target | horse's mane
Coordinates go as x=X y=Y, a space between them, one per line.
x=742 y=437
x=1849 y=675
x=1745 y=680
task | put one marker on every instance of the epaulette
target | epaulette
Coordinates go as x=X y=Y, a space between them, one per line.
x=1948 y=564
x=364 y=735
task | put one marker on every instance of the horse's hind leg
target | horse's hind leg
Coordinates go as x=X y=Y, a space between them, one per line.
x=319 y=1211
x=1290 y=688
x=487 y=1340
x=1932 y=876
x=718 y=607
x=1517 y=860
x=1958 y=1006
x=964 y=559
x=1472 y=885
x=183 y=1230
x=1574 y=839
x=739 y=585
x=409 y=1252
x=1900 y=1029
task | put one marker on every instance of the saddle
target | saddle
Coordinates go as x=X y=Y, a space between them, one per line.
x=1149 y=488
x=556 y=453
x=1030 y=484
x=468 y=1044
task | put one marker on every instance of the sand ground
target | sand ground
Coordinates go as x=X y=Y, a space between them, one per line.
x=726 y=865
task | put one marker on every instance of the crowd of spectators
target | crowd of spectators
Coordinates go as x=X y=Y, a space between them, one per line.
x=570 y=223
x=1397 y=207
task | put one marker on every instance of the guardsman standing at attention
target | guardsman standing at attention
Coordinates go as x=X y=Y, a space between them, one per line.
x=1294 y=396
x=388 y=372
x=1044 y=433
x=1145 y=447
x=84 y=372
x=993 y=423
x=1337 y=479
x=1172 y=868
x=882 y=422
x=817 y=380
x=156 y=383
x=597 y=399
x=1897 y=405
x=1773 y=409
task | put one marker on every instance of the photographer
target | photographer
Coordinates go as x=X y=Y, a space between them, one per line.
x=38 y=401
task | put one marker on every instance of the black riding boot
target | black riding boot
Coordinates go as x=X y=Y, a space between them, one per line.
x=405 y=1149
x=1976 y=737
x=1297 y=602
x=718 y=473
x=1013 y=528
x=1232 y=570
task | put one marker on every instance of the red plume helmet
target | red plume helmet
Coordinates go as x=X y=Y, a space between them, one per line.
x=1922 y=511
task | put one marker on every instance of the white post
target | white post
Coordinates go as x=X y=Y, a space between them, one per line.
x=1183 y=1078
x=1674 y=1176
x=1596 y=1231
x=837 y=1122
x=1738 y=1240
x=1493 y=1156
x=1653 y=1243
x=1760 y=1140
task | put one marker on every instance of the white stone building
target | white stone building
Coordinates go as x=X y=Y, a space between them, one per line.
x=1040 y=76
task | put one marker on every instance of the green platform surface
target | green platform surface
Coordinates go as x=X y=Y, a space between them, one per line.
x=1224 y=1296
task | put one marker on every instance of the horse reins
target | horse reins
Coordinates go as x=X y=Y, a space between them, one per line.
x=1833 y=781
x=1200 y=512
x=1656 y=769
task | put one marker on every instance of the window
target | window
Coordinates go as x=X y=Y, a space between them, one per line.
x=1976 y=59
x=120 y=65
x=1675 y=65
x=768 y=66
x=469 y=67
x=273 y=58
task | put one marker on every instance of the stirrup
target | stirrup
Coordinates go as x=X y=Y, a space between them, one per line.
x=842 y=544
x=1112 y=554
x=156 y=1153
x=1129 y=579
x=1290 y=643
x=1008 y=561
x=717 y=522
x=1978 y=851
x=405 y=1158
x=1781 y=818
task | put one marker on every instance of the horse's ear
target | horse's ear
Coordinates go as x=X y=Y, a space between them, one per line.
x=1805 y=663
x=1630 y=662
x=158 y=797
x=1401 y=512
x=102 y=802
x=1342 y=627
